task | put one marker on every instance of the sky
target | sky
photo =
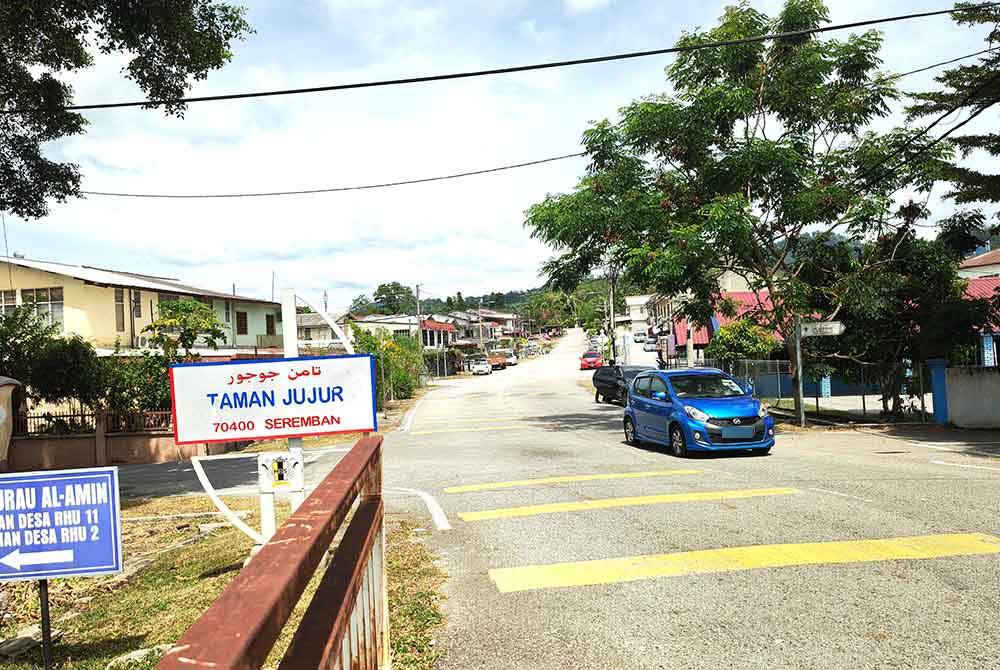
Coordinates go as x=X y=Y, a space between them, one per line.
x=462 y=235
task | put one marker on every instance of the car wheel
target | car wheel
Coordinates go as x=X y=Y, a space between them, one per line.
x=678 y=444
x=630 y=435
x=762 y=452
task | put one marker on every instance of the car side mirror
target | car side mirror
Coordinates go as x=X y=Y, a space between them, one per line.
x=659 y=395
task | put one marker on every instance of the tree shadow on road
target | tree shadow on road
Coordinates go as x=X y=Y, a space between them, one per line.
x=970 y=442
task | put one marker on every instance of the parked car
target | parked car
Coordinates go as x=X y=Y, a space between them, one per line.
x=591 y=360
x=497 y=361
x=508 y=355
x=480 y=366
x=611 y=382
x=650 y=345
x=696 y=410
x=639 y=336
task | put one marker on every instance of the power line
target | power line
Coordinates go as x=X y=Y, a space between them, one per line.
x=460 y=174
x=338 y=189
x=502 y=70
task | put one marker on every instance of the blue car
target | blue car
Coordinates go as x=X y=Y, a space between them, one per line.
x=696 y=409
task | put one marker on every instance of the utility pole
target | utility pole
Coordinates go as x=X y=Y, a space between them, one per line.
x=614 y=329
x=690 y=342
x=800 y=405
x=482 y=345
x=326 y=306
x=273 y=277
x=418 y=301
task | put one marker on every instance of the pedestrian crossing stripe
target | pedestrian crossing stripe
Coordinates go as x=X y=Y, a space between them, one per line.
x=632 y=501
x=541 y=481
x=634 y=568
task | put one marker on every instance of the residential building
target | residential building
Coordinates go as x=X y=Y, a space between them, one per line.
x=637 y=313
x=984 y=265
x=989 y=342
x=110 y=308
x=316 y=333
x=431 y=333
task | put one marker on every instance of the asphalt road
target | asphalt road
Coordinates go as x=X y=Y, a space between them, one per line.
x=840 y=550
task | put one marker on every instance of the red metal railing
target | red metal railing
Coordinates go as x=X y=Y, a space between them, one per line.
x=346 y=624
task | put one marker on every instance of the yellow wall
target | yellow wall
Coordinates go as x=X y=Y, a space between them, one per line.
x=89 y=311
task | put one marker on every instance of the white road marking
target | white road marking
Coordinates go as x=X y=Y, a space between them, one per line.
x=843 y=495
x=437 y=513
x=963 y=465
x=408 y=421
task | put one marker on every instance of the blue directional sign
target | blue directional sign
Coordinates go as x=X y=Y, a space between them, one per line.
x=62 y=523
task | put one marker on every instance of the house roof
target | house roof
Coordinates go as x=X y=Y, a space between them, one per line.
x=314 y=320
x=431 y=324
x=680 y=331
x=983 y=287
x=989 y=258
x=391 y=318
x=120 y=279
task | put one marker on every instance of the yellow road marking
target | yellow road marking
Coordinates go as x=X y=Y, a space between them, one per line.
x=568 y=478
x=471 y=429
x=481 y=419
x=609 y=571
x=605 y=503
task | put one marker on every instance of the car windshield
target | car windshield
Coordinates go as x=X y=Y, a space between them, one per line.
x=705 y=386
x=591 y=354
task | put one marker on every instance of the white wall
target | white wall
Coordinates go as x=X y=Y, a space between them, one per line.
x=974 y=397
x=981 y=271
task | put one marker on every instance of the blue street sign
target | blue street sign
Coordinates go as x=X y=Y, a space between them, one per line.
x=62 y=523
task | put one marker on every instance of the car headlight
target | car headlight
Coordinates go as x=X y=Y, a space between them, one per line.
x=762 y=412
x=696 y=413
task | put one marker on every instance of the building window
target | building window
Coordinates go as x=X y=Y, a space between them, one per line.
x=400 y=332
x=8 y=301
x=47 y=303
x=307 y=334
x=120 y=310
x=229 y=312
x=241 y=323
x=167 y=297
x=137 y=304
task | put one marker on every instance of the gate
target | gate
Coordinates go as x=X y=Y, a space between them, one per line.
x=346 y=624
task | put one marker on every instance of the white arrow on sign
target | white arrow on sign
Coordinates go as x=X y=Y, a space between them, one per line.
x=822 y=328
x=16 y=559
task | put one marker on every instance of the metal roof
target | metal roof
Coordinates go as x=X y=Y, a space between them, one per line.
x=120 y=279
x=989 y=258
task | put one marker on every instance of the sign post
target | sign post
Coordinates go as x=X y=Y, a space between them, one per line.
x=63 y=523
x=811 y=329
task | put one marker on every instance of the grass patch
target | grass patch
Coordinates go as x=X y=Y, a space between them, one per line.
x=180 y=573
x=414 y=598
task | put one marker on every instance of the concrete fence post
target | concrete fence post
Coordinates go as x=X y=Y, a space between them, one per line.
x=100 y=438
x=939 y=389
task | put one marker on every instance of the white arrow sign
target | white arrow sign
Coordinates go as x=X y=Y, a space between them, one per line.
x=822 y=329
x=16 y=559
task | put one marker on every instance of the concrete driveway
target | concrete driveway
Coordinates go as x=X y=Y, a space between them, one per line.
x=570 y=549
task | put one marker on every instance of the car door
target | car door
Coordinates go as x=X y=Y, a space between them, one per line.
x=640 y=403
x=660 y=408
x=603 y=380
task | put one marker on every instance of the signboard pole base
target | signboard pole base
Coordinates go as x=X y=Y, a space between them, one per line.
x=43 y=598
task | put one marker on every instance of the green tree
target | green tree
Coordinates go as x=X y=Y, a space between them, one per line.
x=136 y=383
x=460 y=303
x=181 y=323
x=22 y=336
x=362 y=306
x=759 y=144
x=971 y=88
x=741 y=339
x=67 y=369
x=394 y=298
x=170 y=44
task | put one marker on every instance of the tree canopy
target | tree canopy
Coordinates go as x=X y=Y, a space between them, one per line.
x=181 y=323
x=394 y=298
x=760 y=163
x=171 y=44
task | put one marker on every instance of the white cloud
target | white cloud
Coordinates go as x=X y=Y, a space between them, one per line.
x=464 y=234
x=584 y=6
